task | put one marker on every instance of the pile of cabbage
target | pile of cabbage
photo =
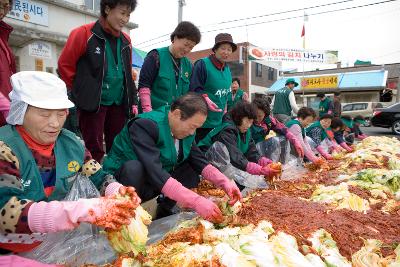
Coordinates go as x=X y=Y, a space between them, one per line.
x=259 y=245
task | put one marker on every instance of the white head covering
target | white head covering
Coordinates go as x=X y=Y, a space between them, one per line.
x=38 y=89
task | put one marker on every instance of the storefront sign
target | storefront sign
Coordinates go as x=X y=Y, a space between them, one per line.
x=30 y=11
x=293 y=55
x=40 y=49
x=319 y=82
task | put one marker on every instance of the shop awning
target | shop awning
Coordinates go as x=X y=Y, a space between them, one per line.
x=350 y=81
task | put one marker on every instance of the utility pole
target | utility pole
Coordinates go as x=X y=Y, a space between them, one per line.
x=181 y=4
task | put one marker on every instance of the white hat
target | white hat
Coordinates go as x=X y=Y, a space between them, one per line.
x=40 y=89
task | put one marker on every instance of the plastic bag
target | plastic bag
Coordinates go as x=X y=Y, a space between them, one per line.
x=83 y=245
x=159 y=228
x=218 y=156
x=293 y=168
x=276 y=148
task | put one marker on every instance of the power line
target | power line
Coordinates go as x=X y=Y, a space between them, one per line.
x=254 y=17
x=283 y=19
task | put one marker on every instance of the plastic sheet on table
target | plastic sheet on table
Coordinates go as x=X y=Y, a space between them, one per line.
x=293 y=168
x=276 y=148
x=218 y=156
x=83 y=245
x=159 y=228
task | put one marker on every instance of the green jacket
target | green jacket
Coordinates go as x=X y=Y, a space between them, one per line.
x=237 y=98
x=324 y=106
x=217 y=87
x=69 y=153
x=122 y=149
x=165 y=89
x=258 y=133
x=282 y=103
x=242 y=146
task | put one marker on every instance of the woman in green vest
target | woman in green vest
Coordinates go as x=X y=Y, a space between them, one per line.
x=156 y=154
x=317 y=131
x=305 y=116
x=38 y=163
x=264 y=123
x=325 y=105
x=212 y=79
x=234 y=133
x=166 y=71
x=236 y=94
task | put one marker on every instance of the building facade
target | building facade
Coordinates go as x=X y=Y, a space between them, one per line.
x=366 y=83
x=41 y=29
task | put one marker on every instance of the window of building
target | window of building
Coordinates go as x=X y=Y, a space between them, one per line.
x=271 y=73
x=258 y=70
x=93 y=4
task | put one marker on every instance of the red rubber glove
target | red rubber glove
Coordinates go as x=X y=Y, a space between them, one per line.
x=213 y=175
x=211 y=105
x=189 y=199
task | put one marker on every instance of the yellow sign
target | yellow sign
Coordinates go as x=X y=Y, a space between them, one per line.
x=319 y=82
x=73 y=166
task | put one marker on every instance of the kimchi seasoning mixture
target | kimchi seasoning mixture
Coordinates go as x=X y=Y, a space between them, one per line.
x=301 y=218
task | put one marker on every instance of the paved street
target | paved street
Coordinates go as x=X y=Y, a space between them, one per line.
x=377 y=131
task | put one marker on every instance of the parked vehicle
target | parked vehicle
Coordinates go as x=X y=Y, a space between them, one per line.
x=365 y=109
x=387 y=118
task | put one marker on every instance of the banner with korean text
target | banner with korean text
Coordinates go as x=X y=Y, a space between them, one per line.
x=30 y=11
x=293 y=55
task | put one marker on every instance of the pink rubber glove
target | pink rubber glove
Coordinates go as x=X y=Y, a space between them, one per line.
x=269 y=172
x=297 y=145
x=211 y=105
x=145 y=100
x=55 y=216
x=135 y=110
x=253 y=168
x=213 y=175
x=117 y=188
x=324 y=153
x=264 y=161
x=189 y=199
x=362 y=136
x=345 y=146
x=17 y=261
x=245 y=97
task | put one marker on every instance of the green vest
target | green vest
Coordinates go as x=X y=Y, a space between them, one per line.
x=69 y=154
x=217 y=88
x=294 y=122
x=324 y=106
x=165 y=89
x=237 y=98
x=282 y=103
x=122 y=149
x=258 y=133
x=243 y=146
x=317 y=124
x=112 y=90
